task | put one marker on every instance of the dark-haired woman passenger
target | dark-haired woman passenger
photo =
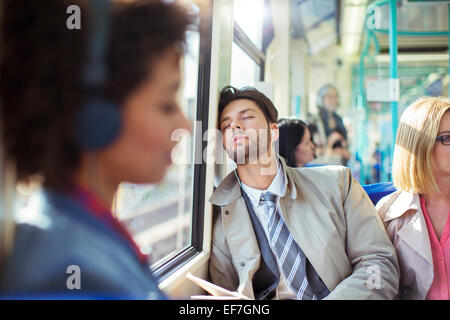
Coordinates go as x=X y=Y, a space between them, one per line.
x=295 y=143
x=68 y=242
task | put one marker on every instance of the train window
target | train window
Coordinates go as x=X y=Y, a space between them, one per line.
x=244 y=70
x=160 y=217
x=247 y=53
x=249 y=16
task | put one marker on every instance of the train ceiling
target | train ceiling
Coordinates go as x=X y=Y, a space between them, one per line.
x=323 y=23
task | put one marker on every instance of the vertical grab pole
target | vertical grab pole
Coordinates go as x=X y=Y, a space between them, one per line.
x=297 y=106
x=394 y=82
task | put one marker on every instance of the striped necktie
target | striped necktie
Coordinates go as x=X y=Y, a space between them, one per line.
x=289 y=255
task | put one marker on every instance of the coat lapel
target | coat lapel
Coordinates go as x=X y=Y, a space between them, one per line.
x=242 y=242
x=414 y=232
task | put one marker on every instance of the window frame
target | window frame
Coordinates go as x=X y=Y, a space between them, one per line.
x=247 y=45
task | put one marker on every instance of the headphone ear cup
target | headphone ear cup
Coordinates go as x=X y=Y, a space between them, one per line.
x=98 y=123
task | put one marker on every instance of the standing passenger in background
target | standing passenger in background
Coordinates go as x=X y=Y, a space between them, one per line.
x=327 y=120
x=68 y=242
x=295 y=142
x=417 y=216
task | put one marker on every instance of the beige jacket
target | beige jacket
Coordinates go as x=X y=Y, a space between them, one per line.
x=406 y=226
x=331 y=218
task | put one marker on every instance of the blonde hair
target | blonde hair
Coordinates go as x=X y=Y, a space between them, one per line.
x=416 y=136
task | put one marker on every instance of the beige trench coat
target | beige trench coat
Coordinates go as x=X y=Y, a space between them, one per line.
x=407 y=228
x=331 y=218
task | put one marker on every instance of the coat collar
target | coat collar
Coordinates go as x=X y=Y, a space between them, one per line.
x=414 y=232
x=229 y=189
x=405 y=202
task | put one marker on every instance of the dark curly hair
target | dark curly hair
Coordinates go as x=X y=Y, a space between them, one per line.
x=230 y=94
x=41 y=67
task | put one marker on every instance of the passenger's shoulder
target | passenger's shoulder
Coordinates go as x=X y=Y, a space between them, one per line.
x=395 y=205
x=387 y=200
x=331 y=179
x=328 y=172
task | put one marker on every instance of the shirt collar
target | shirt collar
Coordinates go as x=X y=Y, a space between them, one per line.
x=278 y=187
x=229 y=189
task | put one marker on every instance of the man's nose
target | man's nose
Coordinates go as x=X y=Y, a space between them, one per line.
x=236 y=125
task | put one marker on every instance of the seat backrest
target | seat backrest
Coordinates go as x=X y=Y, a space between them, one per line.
x=376 y=191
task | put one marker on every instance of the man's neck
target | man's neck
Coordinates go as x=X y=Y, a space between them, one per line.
x=259 y=175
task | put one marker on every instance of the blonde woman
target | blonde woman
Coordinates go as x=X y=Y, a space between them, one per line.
x=416 y=217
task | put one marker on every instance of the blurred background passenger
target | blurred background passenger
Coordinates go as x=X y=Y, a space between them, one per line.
x=376 y=167
x=417 y=216
x=327 y=120
x=67 y=242
x=337 y=152
x=295 y=142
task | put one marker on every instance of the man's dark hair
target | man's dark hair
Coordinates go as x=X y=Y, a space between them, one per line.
x=230 y=94
x=291 y=135
x=41 y=69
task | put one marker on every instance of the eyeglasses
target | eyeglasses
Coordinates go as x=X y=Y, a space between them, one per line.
x=445 y=140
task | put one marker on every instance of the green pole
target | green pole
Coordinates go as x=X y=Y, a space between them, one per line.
x=297 y=106
x=393 y=50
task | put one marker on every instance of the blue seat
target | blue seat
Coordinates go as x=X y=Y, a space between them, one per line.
x=376 y=191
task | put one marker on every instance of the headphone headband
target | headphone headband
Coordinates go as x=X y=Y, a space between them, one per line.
x=98 y=120
x=95 y=71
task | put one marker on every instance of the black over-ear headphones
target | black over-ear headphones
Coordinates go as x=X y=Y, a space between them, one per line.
x=98 y=121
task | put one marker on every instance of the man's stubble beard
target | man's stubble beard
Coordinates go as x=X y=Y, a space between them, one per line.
x=252 y=151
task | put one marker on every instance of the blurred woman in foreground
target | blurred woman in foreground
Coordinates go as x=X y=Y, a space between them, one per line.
x=68 y=242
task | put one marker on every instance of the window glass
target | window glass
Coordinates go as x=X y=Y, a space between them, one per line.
x=244 y=70
x=249 y=15
x=159 y=216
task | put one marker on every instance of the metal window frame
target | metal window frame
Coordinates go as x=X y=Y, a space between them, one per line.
x=247 y=45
